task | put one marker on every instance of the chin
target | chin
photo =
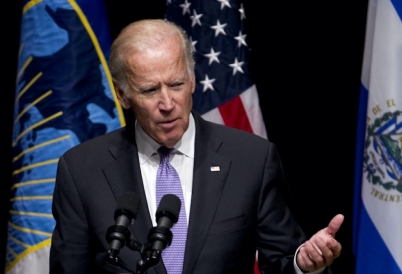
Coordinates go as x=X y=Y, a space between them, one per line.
x=171 y=141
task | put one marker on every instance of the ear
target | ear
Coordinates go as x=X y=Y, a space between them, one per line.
x=121 y=96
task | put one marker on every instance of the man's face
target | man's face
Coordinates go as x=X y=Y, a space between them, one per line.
x=160 y=90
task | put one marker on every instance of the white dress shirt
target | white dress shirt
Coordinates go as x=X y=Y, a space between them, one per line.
x=181 y=158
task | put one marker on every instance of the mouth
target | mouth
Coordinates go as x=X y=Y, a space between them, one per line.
x=168 y=123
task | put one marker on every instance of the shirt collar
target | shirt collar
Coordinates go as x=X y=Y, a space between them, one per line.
x=148 y=146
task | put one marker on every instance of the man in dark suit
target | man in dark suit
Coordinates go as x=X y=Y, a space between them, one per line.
x=232 y=181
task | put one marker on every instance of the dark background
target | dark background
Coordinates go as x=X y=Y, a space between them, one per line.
x=305 y=60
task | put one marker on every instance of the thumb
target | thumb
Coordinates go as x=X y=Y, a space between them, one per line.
x=335 y=224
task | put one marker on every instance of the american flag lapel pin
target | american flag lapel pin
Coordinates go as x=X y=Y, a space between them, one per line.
x=215 y=168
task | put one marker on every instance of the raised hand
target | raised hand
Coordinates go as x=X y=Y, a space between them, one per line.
x=322 y=248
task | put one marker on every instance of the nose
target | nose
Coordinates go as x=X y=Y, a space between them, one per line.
x=166 y=101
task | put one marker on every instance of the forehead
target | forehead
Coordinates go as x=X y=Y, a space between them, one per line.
x=164 y=59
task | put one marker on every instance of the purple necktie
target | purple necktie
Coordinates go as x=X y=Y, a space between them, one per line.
x=168 y=182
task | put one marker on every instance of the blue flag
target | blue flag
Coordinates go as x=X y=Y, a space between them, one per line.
x=224 y=92
x=377 y=231
x=64 y=96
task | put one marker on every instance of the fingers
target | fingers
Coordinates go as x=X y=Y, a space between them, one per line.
x=328 y=248
x=318 y=252
x=304 y=260
x=335 y=224
x=335 y=247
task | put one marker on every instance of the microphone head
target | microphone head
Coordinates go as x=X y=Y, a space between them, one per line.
x=128 y=205
x=169 y=206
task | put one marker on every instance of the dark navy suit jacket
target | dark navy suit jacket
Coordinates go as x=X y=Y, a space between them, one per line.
x=234 y=211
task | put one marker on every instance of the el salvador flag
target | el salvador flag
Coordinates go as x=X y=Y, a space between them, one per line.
x=64 y=96
x=378 y=179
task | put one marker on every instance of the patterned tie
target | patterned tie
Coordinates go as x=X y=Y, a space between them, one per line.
x=168 y=182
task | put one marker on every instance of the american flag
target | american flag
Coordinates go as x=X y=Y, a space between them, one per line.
x=224 y=91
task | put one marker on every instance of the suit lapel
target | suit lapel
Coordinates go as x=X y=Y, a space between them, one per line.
x=210 y=172
x=123 y=175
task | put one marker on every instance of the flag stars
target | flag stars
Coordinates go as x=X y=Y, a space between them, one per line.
x=213 y=56
x=237 y=66
x=207 y=83
x=241 y=39
x=219 y=28
x=186 y=7
x=193 y=43
x=195 y=18
x=224 y=3
x=242 y=14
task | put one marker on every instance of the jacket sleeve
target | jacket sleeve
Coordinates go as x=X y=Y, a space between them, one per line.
x=70 y=248
x=278 y=234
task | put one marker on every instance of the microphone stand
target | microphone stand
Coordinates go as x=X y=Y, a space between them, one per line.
x=159 y=237
x=149 y=257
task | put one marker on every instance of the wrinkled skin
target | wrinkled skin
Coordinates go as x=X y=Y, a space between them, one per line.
x=160 y=92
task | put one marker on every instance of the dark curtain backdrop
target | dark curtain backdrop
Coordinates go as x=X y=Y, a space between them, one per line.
x=306 y=61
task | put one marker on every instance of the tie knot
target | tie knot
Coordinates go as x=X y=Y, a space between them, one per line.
x=164 y=153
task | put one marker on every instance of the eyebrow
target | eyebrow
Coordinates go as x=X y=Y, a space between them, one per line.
x=144 y=87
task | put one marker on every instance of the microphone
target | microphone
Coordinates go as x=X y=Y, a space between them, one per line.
x=126 y=211
x=167 y=215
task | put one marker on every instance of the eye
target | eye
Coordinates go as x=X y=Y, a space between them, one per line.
x=149 y=91
x=177 y=86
